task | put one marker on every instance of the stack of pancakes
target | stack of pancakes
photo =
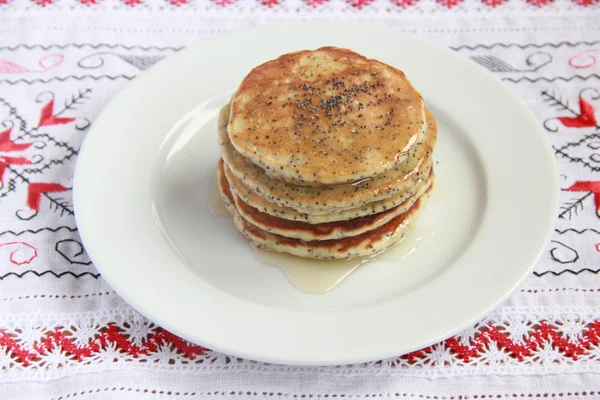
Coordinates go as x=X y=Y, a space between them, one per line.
x=325 y=154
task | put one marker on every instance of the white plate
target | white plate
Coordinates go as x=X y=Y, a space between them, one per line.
x=144 y=172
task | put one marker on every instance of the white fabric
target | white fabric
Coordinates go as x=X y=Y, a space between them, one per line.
x=64 y=333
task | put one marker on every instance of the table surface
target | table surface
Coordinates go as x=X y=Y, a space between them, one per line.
x=64 y=333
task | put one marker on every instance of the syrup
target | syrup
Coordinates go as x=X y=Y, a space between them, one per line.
x=321 y=276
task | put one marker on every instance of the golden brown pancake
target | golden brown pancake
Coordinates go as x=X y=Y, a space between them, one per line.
x=325 y=231
x=254 y=200
x=368 y=243
x=224 y=189
x=328 y=230
x=315 y=118
x=333 y=198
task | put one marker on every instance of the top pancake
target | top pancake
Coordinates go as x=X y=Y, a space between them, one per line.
x=332 y=198
x=312 y=117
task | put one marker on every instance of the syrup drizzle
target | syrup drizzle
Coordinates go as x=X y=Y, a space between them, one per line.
x=321 y=276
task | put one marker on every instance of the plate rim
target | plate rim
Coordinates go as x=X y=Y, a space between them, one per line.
x=91 y=244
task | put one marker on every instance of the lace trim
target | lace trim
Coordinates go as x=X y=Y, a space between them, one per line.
x=513 y=341
x=243 y=394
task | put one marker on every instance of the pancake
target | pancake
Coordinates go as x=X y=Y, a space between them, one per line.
x=313 y=117
x=224 y=190
x=254 y=200
x=331 y=199
x=366 y=244
x=325 y=231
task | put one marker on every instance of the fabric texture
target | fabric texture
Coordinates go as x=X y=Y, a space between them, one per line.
x=64 y=333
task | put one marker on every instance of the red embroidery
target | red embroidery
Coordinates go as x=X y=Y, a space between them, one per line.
x=585 y=119
x=585 y=3
x=315 y=3
x=42 y=3
x=539 y=3
x=449 y=3
x=159 y=339
x=404 y=3
x=598 y=247
x=492 y=334
x=574 y=62
x=3 y=165
x=3 y=2
x=48 y=62
x=541 y=334
x=111 y=336
x=5 y=161
x=493 y=3
x=588 y=186
x=7 y=145
x=47 y=118
x=35 y=191
x=22 y=355
x=20 y=251
x=359 y=3
x=465 y=352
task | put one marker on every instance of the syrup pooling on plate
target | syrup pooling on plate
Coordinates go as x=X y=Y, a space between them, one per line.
x=407 y=246
x=321 y=276
x=310 y=276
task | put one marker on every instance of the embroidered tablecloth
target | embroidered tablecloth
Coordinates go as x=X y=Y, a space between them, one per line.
x=64 y=333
